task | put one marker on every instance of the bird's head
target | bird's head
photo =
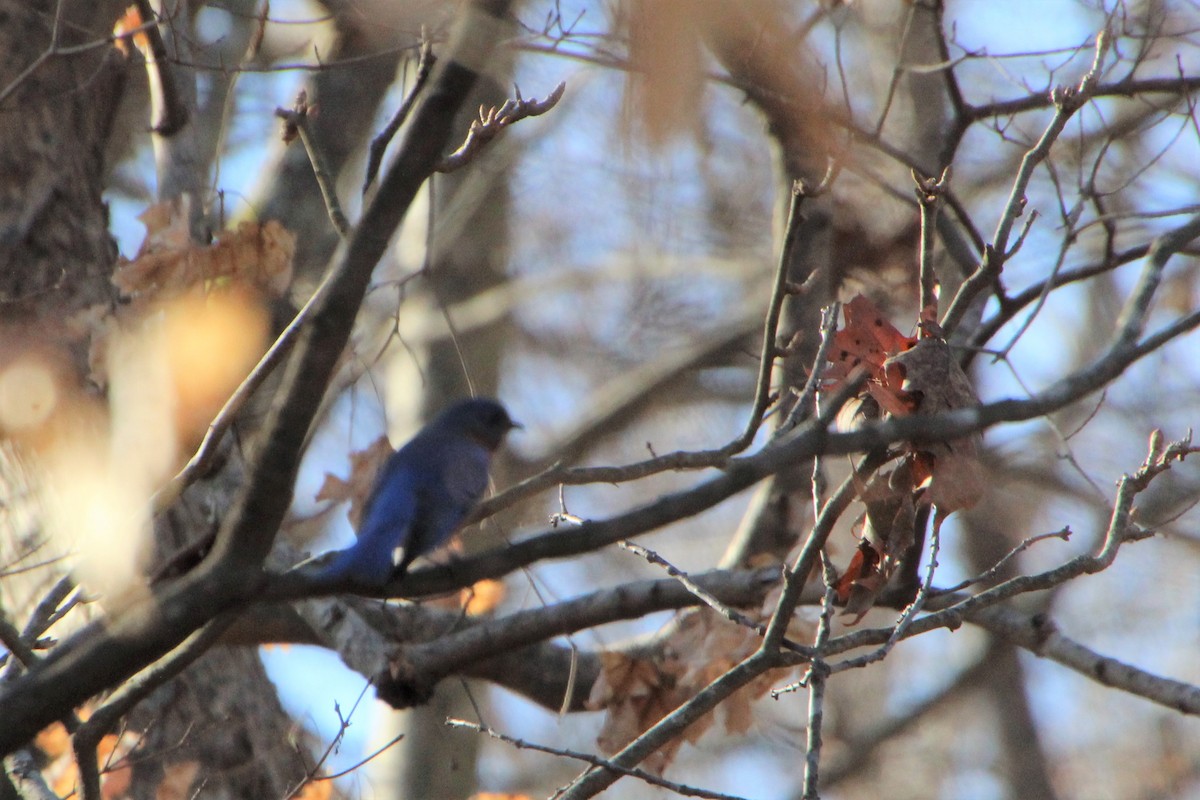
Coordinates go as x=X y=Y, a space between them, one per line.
x=481 y=418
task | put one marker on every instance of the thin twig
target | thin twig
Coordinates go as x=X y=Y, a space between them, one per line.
x=987 y=575
x=200 y=461
x=818 y=674
x=857 y=748
x=311 y=775
x=296 y=122
x=1030 y=294
x=640 y=774
x=803 y=406
x=1132 y=321
x=1067 y=100
x=797 y=573
x=493 y=121
x=929 y=198
x=51 y=50
x=365 y=760
x=594 y=781
x=707 y=598
x=909 y=615
x=378 y=146
x=801 y=190
x=121 y=702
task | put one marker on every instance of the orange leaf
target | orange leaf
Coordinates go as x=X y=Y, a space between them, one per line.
x=53 y=740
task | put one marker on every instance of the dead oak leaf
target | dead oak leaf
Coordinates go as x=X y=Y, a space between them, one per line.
x=364 y=467
x=868 y=340
x=636 y=693
x=888 y=530
x=953 y=477
x=170 y=261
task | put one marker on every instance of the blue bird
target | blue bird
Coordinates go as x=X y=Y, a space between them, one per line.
x=424 y=492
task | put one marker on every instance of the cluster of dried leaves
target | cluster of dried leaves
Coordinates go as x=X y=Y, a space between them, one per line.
x=906 y=375
x=638 y=690
x=170 y=261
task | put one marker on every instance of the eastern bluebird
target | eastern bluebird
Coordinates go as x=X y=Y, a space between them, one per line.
x=424 y=492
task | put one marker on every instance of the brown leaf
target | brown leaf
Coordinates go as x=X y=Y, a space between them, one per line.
x=364 y=467
x=957 y=479
x=317 y=789
x=869 y=340
x=212 y=341
x=483 y=597
x=889 y=529
x=636 y=694
x=932 y=375
x=169 y=261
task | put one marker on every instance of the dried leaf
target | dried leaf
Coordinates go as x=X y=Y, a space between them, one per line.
x=932 y=375
x=61 y=772
x=320 y=789
x=53 y=740
x=906 y=376
x=636 y=694
x=888 y=530
x=169 y=261
x=364 y=466
x=931 y=372
x=131 y=20
x=112 y=755
x=483 y=597
x=868 y=340
x=177 y=781
x=212 y=342
x=701 y=647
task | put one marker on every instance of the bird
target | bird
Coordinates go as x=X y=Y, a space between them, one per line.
x=423 y=493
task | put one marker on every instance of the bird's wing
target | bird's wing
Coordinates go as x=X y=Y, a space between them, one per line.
x=387 y=522
x=454 y=478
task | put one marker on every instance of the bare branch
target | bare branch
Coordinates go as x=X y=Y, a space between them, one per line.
x=1067 y=100
x=295 y=122
x=425 y=62
x=703 y=596
x=929 y=196
x=493 y=121
x=640 y=774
